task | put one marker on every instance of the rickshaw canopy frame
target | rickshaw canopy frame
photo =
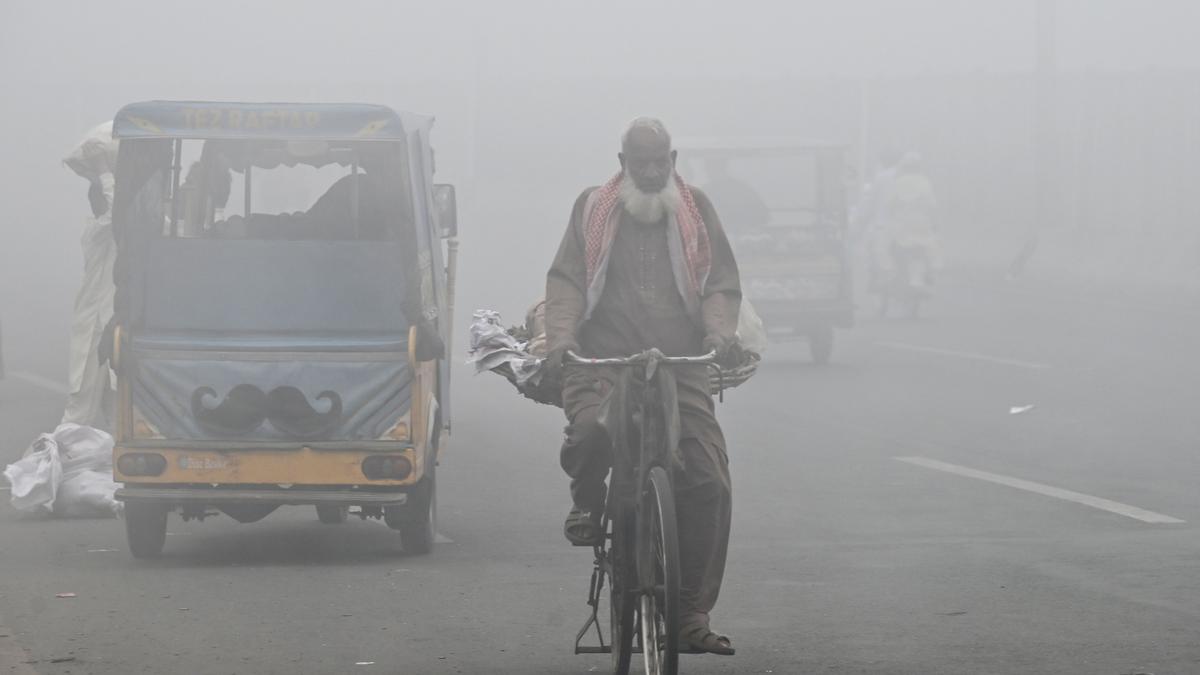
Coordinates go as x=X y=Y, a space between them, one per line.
x=247 y=121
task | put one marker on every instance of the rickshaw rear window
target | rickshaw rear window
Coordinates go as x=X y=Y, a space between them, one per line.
x=786 y=186
x=287 y=190
x=278 y=287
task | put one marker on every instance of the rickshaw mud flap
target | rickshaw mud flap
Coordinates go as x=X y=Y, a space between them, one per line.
x=280 y=497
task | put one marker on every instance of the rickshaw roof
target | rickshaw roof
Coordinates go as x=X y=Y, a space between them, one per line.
x=753 y=145
x=247 y=121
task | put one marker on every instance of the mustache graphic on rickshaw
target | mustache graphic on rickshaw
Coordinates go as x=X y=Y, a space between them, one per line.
x=246 y=407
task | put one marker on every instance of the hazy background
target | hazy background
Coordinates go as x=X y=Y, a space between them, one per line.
x=530 y=99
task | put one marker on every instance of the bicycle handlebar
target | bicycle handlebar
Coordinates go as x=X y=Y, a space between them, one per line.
x=709 y=359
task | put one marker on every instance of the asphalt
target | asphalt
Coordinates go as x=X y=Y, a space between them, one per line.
x=844 y=558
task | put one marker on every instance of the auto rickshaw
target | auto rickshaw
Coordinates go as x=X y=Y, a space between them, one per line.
x=285 y=279
x=783 y=204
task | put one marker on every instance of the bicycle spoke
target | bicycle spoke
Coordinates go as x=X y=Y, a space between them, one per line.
x=652 y=636
x=661 y=584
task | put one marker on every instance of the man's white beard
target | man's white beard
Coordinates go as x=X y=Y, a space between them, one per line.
x=648 y=208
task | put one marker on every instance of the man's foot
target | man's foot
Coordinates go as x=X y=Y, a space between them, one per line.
x=699 y=638
x=583 y=528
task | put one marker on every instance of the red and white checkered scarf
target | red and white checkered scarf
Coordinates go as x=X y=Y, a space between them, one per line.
x=601 y=229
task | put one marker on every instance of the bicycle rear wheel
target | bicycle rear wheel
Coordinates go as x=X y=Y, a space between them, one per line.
x=658 y=575
x=622 y=599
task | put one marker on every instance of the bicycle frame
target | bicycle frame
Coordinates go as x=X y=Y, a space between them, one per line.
x=652 y=413
x=650 y=452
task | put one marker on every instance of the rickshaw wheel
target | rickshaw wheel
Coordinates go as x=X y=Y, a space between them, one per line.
x=145 y=528
x=417 y=521
x=820 y=343
x=332 y=515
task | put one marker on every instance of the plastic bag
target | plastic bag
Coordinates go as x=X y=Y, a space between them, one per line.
x=751 y=332
x=67 y=472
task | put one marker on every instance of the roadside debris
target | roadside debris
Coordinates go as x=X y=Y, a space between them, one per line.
x=65 y=595
x=1020 y=409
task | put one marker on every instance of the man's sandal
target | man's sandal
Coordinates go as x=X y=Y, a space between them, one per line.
x=699 y=639
x=583 y=528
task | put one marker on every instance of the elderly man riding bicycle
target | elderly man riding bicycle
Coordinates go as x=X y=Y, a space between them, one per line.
x=645 y=264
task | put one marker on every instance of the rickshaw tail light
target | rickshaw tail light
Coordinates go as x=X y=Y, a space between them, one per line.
x=142 y=464
x=387 y=467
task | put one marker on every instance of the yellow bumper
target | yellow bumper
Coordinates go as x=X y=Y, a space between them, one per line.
x=302 y=466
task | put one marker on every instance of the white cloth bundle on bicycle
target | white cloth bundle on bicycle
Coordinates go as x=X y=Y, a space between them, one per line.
x=492 y=347
x=67 y=472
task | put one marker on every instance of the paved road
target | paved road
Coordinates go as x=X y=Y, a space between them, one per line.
x=844 y=558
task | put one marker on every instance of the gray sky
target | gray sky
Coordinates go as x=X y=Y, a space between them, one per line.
x=65 y=66
x=218 y=41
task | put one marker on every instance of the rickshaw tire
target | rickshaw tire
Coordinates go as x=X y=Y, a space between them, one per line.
x=332 y=515
x=146 y=528
x=820 y=343
x=417 y=521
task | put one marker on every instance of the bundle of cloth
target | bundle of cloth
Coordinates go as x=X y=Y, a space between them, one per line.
x=517 y=352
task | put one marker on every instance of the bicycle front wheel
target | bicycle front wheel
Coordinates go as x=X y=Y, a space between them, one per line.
x=658 y=575
x=622 y=592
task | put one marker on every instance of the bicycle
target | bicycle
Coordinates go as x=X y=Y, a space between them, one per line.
x=638 y=558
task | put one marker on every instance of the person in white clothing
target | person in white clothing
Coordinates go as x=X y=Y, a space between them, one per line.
x=91 y=394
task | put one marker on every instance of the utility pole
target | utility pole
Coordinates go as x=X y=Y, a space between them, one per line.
x=1045 y=150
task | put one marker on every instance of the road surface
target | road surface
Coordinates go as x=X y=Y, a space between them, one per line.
x=1008 y=485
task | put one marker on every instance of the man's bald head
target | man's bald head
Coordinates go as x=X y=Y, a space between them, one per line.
x=646 y=132
x=646 y=154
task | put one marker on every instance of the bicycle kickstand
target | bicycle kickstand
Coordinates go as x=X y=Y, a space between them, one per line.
x=595 y=590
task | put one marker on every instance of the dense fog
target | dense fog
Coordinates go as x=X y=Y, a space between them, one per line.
x=530 y=99
x=993 y=472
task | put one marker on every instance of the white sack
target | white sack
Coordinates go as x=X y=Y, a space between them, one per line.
x=96 y=154
x=68 y=473
x=35 y=477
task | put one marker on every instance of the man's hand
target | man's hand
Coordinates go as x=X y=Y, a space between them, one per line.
x=429 y=343
x=97 y=199
x=552 y=367
x=729 y=352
